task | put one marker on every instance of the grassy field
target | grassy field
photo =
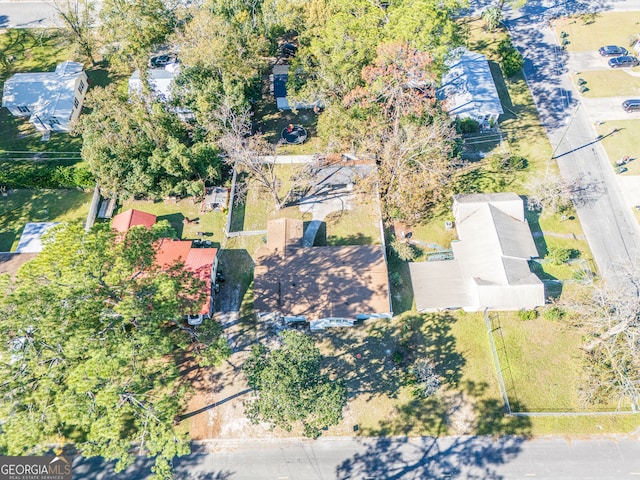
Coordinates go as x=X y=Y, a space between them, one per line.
x=613 y=28
x=23 y=206
x=374 y=360
x=175 y=212
x=609 y=83
x=542 y=367
x=625 y=142
x=357 y=226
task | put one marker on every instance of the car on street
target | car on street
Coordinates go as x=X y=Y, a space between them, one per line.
x=624 y=61
x=632 y=105
x=160 y=61
x=612 y=51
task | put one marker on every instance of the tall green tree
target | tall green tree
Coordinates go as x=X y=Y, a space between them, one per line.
x=229 y=52
x=428 y=25
x=88 y=338
x=78 y=19
x=130 y=28
x=142 y=148
x=290 y=387
x=395 y=117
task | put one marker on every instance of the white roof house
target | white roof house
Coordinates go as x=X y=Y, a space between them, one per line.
x=161 y=82
x=52 y=100
x=490 y=268
x=468 y=88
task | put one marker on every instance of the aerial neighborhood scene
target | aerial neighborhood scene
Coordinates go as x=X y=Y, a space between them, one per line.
x=314 y=239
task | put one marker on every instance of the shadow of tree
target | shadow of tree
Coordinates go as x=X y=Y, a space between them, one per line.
x=427 y=457
x=375 y=360
x=469 y=457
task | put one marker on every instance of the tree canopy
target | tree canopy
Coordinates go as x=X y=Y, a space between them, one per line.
x=395 y=117
x=90 y=330
x=290 y=387
x=137 y=148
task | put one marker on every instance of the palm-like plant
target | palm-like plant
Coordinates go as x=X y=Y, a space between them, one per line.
x=492 y=17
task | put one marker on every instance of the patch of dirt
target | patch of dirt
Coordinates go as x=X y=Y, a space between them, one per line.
x=461 y=416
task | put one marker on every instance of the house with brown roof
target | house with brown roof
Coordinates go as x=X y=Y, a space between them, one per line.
x=199 y=261
x=325 y=286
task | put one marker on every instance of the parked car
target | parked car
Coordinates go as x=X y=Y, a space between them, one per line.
x=631 y=105
x=612 y=51
x=194 y=320
x=162 y=60
x=623 y=61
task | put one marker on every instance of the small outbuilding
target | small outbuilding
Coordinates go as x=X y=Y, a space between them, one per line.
x=468 y=89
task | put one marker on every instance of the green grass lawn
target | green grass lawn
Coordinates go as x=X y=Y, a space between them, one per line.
x=612 y=28
x=358 y=226
x=609 y=83
x=625 y=142
x=176 y=212
x=23 y=206
x=542 y=367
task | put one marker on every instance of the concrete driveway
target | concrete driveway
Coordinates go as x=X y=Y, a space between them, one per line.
x=606 y=109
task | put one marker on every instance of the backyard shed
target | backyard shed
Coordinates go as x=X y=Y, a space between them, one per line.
x=31 y=238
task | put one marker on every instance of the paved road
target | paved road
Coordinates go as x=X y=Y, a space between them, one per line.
x=609 y=225
x=27 y=15
x=397 y=458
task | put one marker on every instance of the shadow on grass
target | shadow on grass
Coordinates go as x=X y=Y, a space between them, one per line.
x=176 y=220
x=354 y=239
x=374 y=359
x=237 y=266
x=533 y=219
x=400 y=284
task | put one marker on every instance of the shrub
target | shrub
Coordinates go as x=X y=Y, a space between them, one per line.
x=403 y=250
x=512 y=61
x=559 y=255
x=427 y=381
x=468 y=125
x=553 y=313
x=527 y=314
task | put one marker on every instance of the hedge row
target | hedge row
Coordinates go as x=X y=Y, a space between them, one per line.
x=44 y=174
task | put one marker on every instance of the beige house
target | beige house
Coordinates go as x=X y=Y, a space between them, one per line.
x=490 y=268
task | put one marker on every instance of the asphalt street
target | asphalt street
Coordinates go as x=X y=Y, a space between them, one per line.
x=19 y=14
x=606 y=458
x=610 y=228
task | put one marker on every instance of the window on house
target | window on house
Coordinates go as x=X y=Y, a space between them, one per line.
x=76 y=102
x=23 y=109
x=81 y=86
